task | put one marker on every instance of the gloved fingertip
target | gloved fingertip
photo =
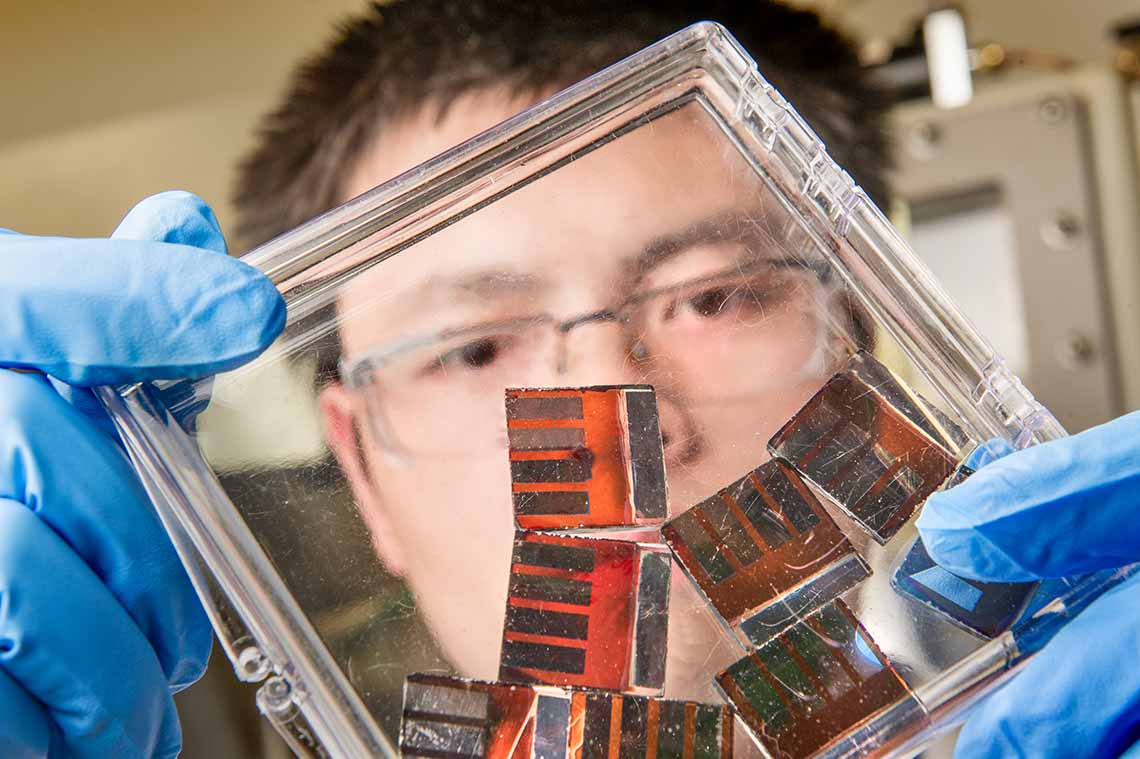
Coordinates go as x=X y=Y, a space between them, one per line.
x=197 y=642
x=258 y=318
x=956 y=540
x=175 y=216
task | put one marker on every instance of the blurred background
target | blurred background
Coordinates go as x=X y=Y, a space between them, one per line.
x=1016 y=177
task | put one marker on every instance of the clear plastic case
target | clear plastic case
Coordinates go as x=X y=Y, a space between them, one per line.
x=652 y=324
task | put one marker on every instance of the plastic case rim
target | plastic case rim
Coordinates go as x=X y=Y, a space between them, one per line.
x=838 y=209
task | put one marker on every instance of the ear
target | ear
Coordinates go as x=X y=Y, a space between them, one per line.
x=345 y=427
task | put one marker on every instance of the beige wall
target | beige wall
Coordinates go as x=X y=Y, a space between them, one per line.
x=106 y=102
x=1079 y=29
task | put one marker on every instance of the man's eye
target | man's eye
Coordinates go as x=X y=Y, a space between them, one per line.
x=473 y=355
x=711 y=302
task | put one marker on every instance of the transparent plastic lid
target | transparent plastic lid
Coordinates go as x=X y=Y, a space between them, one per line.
x=603 y=433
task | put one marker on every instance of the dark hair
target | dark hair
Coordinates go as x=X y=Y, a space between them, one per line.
x=394 y=59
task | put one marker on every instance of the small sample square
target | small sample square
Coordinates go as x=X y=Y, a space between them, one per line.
x=448 y=716
x=812 y=684
x=453 y=717
x=983 y=608
x=621 y=726
x=586 y=612
x=871 y=372
x=586 y=457
x=862 y=452
x=764 y=552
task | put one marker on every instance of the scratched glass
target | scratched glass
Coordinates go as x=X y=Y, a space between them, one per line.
x=713 y=333
x=671 y=223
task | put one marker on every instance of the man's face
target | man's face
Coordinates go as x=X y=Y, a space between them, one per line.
x=718 y=313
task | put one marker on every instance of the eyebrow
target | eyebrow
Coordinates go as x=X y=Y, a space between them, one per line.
x=484 y=284
x=725 y=227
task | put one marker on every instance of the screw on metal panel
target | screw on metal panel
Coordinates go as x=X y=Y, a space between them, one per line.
x=1052 y=110
x=1077 y=351
x=1061 y=230
x=925 y=139
x=252 y=665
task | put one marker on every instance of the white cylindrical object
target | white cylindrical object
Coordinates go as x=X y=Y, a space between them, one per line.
x=948 y=58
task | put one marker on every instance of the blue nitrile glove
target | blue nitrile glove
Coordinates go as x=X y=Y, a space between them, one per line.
x=99 y=624
x=1060 y=508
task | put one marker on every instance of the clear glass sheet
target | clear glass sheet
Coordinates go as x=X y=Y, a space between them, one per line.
x=669 y=224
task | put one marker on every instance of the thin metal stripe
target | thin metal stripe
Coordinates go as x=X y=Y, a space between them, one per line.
x=652 y=721
x=552 y=502
x=551 y=470
x=558 y=624
x=616 y=704
x=555 y=589
x=545 y=438
x=451 y=701
x=643 y=430
x=690 y=719
x=542 y=657
x=536 y=553
x=544 y=407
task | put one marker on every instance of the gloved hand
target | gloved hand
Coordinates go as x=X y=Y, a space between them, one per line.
x=99 y=624
x=1057 y=509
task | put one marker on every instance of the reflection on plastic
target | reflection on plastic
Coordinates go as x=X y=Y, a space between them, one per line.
x=863 y=453
x=812 y=683
x=586 y=457
x=871 y=372
x=764 y=552
x=586 y=612
x=452 y=717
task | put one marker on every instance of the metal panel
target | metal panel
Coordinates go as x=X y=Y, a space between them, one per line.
x=1031 y=152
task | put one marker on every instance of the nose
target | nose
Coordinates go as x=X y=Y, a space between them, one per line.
x=597 y=353
x=602 y=353
x=680 y=433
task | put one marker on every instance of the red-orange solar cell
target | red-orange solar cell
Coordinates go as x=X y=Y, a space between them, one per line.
x=764 y=552
x=586 y=612
x=863 y=452
x=585 y=457
x=815 y=684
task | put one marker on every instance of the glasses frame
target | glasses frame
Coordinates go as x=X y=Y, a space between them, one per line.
x=358 y=373
x=354 y=372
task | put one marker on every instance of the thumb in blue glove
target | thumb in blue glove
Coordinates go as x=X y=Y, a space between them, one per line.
x=1057 y=509
x=99 y=624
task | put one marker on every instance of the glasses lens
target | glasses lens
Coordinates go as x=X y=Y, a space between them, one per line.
x=720 y=339
x=738 y=334
x=418 y=394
